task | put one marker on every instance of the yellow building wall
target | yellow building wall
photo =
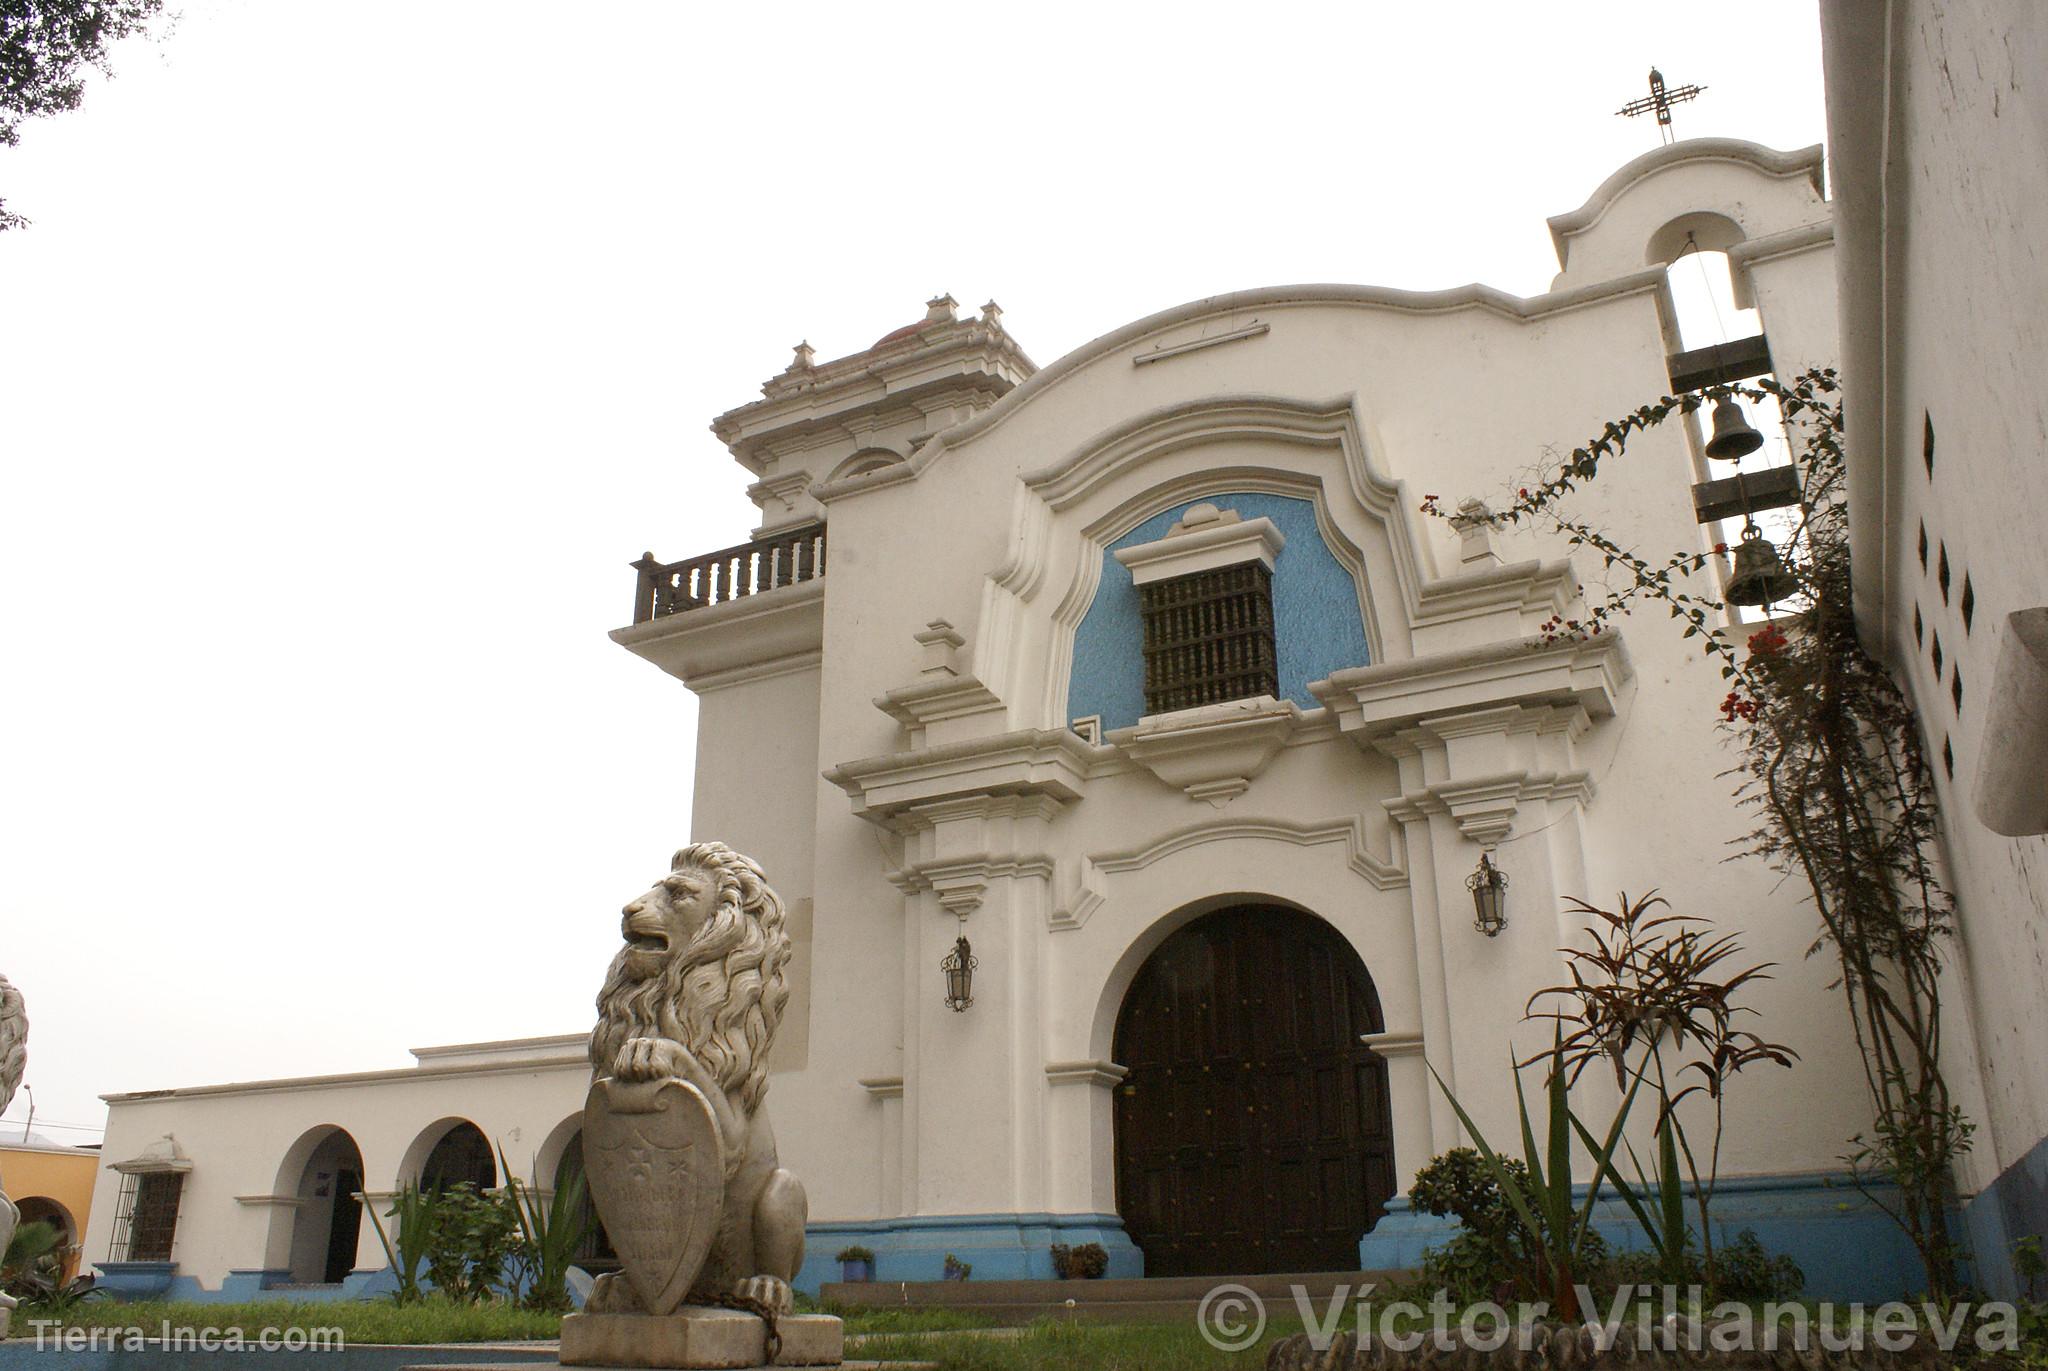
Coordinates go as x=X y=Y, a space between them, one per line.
x=62 y=1175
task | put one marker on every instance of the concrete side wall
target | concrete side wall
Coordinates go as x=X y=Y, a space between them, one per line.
x=1947 y=345
x=250 y=1150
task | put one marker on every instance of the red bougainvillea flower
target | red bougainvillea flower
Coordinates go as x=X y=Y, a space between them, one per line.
x=1766 y=641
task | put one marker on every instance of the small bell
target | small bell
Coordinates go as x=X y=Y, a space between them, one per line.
x=1733 y=438
x=1759 y=577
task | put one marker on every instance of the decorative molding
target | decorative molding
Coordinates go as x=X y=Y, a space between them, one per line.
x=1164 y=351
x=1519 y=588
x=882 y=1087
x=1212 y=752
x=1224 y=538
x=1373 y=702
x=1405 y=1042
x=1091 y=886
x=938 y=700
x=1100 y=1073
x=1771 y=162
x=1269 y=299
x=770 y=633
x=1051 y=763
x=1484 y=808
x=272 y=1201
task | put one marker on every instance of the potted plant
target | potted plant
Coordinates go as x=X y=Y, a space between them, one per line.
x=856 y=1263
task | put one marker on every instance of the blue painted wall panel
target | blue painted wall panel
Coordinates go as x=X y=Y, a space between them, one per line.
x=1318 y=625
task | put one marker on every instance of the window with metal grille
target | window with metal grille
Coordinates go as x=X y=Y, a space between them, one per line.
x=146 y=1216
x=1209 y=637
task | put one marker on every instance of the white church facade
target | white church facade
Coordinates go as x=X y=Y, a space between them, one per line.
x=1144 y=674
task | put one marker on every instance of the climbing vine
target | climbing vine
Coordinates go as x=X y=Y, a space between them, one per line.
x=1833 y=766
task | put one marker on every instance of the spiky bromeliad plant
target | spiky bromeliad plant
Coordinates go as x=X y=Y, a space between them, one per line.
x=1832 y=762
x=1651 y=997
x=1540 y=1190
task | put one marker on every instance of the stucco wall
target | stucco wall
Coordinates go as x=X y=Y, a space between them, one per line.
x=1935 y=113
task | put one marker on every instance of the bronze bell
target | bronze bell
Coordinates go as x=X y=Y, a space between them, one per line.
x=1733 y=438
x=1759 y=577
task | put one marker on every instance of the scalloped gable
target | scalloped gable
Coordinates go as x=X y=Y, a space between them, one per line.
x=1756 y=191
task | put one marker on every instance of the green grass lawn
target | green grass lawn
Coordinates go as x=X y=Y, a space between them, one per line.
x=360 y=1321
x=1064 y=1346
x=368 y=1321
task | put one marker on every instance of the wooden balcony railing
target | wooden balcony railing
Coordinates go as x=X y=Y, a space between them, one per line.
x=786 y=559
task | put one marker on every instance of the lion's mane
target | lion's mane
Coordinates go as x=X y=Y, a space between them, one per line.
x=722 y=995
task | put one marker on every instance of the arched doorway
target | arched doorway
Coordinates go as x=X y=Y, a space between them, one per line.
x=43 y=1209
x=462 y=1156
x=594 y=1254
x=328 y=1218
x=1252 y=1134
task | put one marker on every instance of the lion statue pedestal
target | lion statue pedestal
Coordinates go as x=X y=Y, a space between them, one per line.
x=708 y=1226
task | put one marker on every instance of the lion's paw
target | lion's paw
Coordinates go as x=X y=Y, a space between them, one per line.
x=612 y=1293
x=771 y=1292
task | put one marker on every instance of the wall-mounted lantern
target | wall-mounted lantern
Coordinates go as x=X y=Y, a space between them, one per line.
x=959 y=967
x=1489 y=887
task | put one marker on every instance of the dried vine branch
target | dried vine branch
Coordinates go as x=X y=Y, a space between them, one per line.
x=1831 y=760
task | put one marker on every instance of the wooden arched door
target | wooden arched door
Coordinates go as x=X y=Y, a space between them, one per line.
x=1252 y=1134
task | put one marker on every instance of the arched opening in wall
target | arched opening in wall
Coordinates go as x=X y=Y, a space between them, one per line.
x=43 y=1209
x=327 y=1218
x=594 y=1254
x=461 y=1156
x=1710 y=311
x=1253 y=1132
x=866 y=460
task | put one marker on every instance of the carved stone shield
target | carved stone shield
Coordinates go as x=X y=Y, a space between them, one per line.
x=656 y=1167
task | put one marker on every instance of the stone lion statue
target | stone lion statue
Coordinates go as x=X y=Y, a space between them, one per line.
x=13 y=1061
x=696 y=993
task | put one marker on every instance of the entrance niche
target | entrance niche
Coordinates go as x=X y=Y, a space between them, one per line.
x=594 y=1254
x=462 y=1156
x=42 y=1209
x=328 y=1217
x=1252 y=1133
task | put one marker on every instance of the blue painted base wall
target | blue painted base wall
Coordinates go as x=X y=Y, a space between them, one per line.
x=2011 y=1208
x=1005 y=1247
x=1000 y=1247
x=1848 y=1247
x=161 y=1281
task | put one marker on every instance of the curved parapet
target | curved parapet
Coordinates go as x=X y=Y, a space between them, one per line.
x=1722 y=191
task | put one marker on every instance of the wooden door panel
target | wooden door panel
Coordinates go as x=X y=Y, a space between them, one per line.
x=1252 y=1131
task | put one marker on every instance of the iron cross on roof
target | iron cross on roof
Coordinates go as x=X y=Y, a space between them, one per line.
x=1659 y=102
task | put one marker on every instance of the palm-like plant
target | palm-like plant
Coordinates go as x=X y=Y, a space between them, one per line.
x=1649 y=985
x=549 y=1233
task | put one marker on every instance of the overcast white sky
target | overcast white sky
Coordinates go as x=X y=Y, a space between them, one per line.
x=355 y=350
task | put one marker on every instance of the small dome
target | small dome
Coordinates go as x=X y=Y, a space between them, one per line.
x=893 y=334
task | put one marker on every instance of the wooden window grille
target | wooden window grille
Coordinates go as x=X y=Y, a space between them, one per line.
x=1209 y=638
x=146 y=1216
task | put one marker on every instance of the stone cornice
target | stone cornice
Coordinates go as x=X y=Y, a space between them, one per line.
x=1523 y=586
x=924 y=703
x=1394 y=1043
x=1186 y=551
x=766 y=634
x=882 y=1087
x=1212 y=752
x=1029 y=762
x=1484 y=807
x=1096 y=1073
x=1372 y=702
